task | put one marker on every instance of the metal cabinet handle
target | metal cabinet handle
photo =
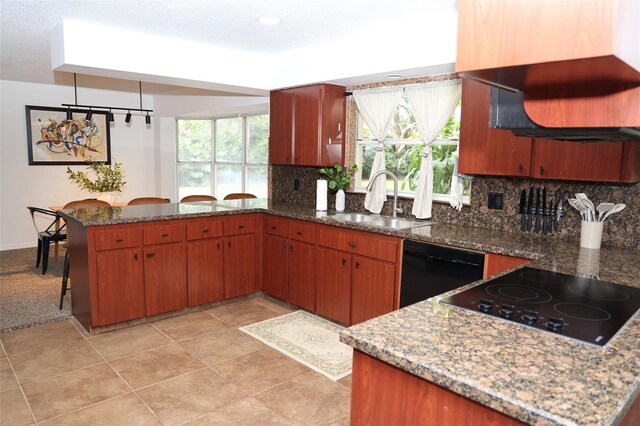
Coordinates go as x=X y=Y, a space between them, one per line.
x=165 y=235
x=344 y=262
x=357 y=265
x=135 y=256
x=150 y=255
x=520 y=168
x=119 y=240
x=299 y=232
x=352 y=244
x=240 y=226
x=218 y=246
x=541 y=170
x=205 y=230
x=229 y=244
x=274 y=228
x=282 y=244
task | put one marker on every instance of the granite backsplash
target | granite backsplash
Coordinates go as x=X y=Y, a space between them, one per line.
x=620 y=230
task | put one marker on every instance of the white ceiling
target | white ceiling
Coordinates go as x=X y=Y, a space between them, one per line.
x=342 y=41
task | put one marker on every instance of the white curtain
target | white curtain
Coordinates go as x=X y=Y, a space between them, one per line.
x=376 y=107
x=457 y=186
x=432 y=105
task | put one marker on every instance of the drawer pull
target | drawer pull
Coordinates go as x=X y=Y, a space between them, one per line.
x=135 y=256
x=205 y=230
x=119 y=240
x=357 y=265
x=352 y=244
x=299 y=232
x=240 y=226
x=165 y=235
x=150 y=255
x=274 y=228
x=218 y=246
x=344 y=262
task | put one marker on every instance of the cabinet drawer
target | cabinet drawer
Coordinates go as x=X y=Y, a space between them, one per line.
x=363 y=243
x=239 y=224
x=204 y=228
x=302 y=231
x=109 y=239
x=276 y=226
x=163 y=233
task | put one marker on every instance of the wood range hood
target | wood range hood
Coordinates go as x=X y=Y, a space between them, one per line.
x=577 y=63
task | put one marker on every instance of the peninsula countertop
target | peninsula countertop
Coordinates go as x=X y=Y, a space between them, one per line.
x=536 y=377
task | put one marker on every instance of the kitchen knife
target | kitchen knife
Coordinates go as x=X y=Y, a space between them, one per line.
x=544 y=210
x=530 y=209
x=550 y=215
x=537 y=210
x=522 y=209
x=559 y=201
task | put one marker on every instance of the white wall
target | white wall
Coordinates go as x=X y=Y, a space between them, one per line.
x=22 y=185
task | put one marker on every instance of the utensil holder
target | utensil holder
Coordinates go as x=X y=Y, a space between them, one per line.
x=591 y=234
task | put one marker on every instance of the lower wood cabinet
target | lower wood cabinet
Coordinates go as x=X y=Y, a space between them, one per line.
x=165 y=277
x=372 y=289
x=301 y=271
x=239 y=265
x=333 y=285
x=495 y=263
x=274 y=278
x=120 y=286
x=205 y=276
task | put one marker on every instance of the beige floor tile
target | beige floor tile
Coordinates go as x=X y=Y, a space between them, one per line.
x=14 y=410
x=39 y=338
x=346 y=381
x=122 y=410
x=242 y=313
x=3 y=354
x=260 y=370
x=222 y=345
x=79 y=327
x=186 y=397
x=309 y=399
x=62 y=394
x=247 y=411
x=121 y=343
x=274 y=305
x=7 y=378
x=54 y=360
x=189 y=326
x=155 y=365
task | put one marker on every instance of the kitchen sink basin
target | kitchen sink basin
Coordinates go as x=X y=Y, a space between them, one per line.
x=379 y=220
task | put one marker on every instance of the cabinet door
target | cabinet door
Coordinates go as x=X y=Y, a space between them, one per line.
x=302 y=274
x=591 y=161
x=372 y=289
x=239 y=265
x=165 y=277
x=120 y=286
x=333 y=120
x=274 y=280
x=495 y=263
x=483 y=150
x=333 y=285
x=306 y=125
x=281 y=127
x=205 y=275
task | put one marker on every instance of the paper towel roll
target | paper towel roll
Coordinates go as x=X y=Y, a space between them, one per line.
x=321 y=195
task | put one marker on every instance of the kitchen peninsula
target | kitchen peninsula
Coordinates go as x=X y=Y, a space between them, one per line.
x=518 y=372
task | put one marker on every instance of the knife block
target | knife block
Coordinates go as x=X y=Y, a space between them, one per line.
x=591 y=234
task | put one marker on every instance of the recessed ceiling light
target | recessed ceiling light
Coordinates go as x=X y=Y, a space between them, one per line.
x=269 y=20
x=395 y=76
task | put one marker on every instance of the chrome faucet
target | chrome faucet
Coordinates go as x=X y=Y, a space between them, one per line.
x=395 y=188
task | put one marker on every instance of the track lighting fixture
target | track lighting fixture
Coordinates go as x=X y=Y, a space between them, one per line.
x=127 y=118
x=69 y=114
x=110 y=117
x=147 y=119
x=89 y=115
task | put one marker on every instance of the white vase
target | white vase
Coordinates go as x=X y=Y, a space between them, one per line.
x=340 y=200
x=109 y=197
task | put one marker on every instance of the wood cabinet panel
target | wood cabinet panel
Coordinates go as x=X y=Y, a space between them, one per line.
x=484 y=150
x=372 y=289
x=302 y=274
x=165 y=277
x=239 y=265
x=281 y=127
x=240 y=224
x=204 y=228
x=205 y=274
x=275 y=225
x=120 y=284
x=274 y=278
x=333 y=123
x=117 y=237
x=306 y=125
x=302 y=231
x=161 y=234
x=495 y=263
x=333 y=285
x=357 y=242
x=385 y=395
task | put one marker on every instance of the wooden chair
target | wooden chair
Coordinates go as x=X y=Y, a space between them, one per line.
x=78 y=204
x=51 y=234
x=192 y=198
x=239 y=195
x=148 y=200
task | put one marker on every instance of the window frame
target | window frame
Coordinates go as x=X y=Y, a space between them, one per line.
x=244 y=164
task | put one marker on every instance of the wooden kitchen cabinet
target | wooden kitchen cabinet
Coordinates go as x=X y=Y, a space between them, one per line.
x=333 y=285
x=239 y=265
x=205 y=271
x=307 y=125
x=120 y=286
x=372 y=289
x=301 y=274
x=483 y=150
x=495 y=263
x=274 y=278
x=165 y=277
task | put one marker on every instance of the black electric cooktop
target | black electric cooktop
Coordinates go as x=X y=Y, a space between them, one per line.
x=580 y=308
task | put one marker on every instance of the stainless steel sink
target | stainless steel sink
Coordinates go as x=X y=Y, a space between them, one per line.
x=379 y=220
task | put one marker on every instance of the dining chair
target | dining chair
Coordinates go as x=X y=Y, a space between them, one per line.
x=52 y=233
x=239 y=195
x=192 y=198
x=148 y=200
x=77 y=204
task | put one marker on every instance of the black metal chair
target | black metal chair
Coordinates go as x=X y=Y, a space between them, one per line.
x=55 y=232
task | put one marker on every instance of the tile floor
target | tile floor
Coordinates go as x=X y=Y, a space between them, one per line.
x=195 y=369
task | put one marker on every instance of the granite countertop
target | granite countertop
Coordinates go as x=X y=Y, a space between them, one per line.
x=536 y=377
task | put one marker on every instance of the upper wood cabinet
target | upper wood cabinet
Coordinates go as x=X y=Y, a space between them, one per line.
x=487 y=151
x=307 y=125
x=577 y=62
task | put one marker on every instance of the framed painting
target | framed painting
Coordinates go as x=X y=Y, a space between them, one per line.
x=54 y=140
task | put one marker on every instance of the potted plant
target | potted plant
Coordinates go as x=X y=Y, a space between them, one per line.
x=106 y=181
x=339 y=178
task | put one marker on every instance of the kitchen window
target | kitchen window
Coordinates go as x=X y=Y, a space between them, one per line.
x=402 y=148
x=221 y=156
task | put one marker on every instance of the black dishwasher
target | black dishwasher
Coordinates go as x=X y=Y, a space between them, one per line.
x=429 y=270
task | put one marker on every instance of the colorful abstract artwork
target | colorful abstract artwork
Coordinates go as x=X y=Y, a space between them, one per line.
x=55 y=140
